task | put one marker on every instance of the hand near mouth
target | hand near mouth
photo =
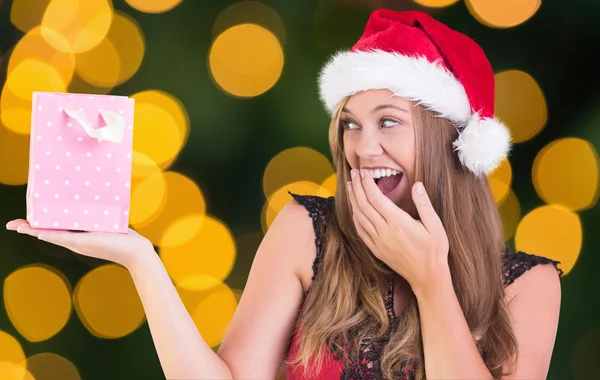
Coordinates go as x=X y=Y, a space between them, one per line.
x=415 y=249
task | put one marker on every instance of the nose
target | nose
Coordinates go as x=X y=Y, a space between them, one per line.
x=368 y=145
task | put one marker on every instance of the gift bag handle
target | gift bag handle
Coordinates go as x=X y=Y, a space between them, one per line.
x=113 y=131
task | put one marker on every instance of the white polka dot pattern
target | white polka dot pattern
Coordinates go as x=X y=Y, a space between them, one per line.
x=75 y=181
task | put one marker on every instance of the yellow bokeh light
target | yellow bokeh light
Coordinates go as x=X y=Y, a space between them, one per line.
x=520 y=103
x=214 y=313
x=107 y=302
x=14 y=157
x=551 y=231
x=328 y=187
x=147 y=199
x=147 y=189
x=281 y=197
x=15 y=112
x=38 y=301
x=50 y=366
x=10 y=349
x=500 y=181
x=503 y=13
x=250 y=12
x=12 y=371
x=33 y=75
x=565 y=172
x=142 y=166
x=76 y=26
x=510 y=213
x=293 y=165
x=182 y=197
x=33 y=46
x=99 y=66
x=117 y=58
x=153 y=6
x=198 y=251
x=156 y=108
x=80 y=86
x=246 y=60
x=27 y=14
x=436 y=3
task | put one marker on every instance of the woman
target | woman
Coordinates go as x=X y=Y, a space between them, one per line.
x=409 y=276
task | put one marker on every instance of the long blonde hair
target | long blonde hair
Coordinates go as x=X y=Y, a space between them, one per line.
x=346 y=303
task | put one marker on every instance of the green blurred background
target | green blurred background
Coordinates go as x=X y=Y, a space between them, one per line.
x=228 y=119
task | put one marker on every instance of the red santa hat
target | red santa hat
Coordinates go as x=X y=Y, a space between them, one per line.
x=421 y=59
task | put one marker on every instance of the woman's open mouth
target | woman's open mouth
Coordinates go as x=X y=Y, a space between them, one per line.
x=388 y=180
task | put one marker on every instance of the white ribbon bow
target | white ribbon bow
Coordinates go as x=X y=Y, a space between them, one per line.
x=113 y=131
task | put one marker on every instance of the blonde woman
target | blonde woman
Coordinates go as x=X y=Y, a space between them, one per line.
x=404 y=274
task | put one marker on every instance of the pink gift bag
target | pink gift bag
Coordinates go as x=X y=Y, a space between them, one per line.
x=80 y=162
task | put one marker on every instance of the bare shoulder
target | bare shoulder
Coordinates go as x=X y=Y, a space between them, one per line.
x=294 y=228
x=259 y=334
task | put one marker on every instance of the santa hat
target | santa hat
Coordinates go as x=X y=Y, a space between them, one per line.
x=423 y=60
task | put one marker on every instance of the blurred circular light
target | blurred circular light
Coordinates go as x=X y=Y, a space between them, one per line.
x=38 y=301
x=500 y=181
x=510 y=213
x=182 y=197
x=116 y=58
x=50 y=366
x=293 y=165
x=14 y=157
x=520 y=103
x=31 y=75
x=565 y=172
x=33 y=46
x=246 y=60
x=250 y=12
x=436 y=3
x=551 y=231
x=503 y=13
x=281 y=197
x=27 y=14
x=198 y=251
x=107 y=302
x=156 y=108
x=76 y=26
x=153 y=6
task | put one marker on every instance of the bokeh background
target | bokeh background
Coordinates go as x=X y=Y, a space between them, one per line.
x=228 y=119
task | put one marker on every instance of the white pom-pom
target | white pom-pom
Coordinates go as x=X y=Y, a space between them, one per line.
x=482 y=145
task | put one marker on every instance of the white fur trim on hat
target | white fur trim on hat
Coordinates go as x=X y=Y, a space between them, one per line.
x=415 y=79
x=482 y=144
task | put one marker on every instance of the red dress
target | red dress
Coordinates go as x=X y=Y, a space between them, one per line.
x=364 y=364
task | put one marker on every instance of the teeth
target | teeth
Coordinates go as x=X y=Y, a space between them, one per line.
x=378 y=173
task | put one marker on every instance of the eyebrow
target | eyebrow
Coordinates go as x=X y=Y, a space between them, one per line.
x=381 y=107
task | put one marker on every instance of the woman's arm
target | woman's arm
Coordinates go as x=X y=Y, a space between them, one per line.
x=449 y=349
x=257 y=337
x=182 y=352
x=259 y=333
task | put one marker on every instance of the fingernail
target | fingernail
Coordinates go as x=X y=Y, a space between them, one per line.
x=420 y=189
x=352 y=173
x=349 y=183
x=362 y=173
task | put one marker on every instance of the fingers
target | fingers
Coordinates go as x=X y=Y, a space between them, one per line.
x=429 y=218
x=14 y=224
x=358 y=215
x=362 y=200
x=379 y=202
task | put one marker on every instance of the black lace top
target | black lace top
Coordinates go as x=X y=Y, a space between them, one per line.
x=364 y=364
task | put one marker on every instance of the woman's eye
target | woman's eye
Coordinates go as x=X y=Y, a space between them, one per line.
x=387 y=123
x=349 y=124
